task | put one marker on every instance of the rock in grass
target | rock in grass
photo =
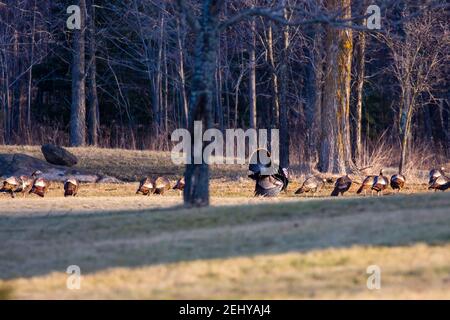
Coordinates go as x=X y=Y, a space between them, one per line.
x=58 y=155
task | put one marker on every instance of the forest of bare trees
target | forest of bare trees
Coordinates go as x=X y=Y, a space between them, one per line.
x=136 y=70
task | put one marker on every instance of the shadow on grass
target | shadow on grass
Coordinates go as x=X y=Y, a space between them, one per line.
x=33 y=246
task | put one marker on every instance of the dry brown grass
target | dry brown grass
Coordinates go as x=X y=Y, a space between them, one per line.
x=131 y=246
x=413 y=272
x=299 y=248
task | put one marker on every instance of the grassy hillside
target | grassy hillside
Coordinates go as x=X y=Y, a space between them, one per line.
x=293 y=249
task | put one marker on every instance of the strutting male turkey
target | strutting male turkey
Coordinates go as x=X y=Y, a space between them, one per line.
x=270 y=180
x=442 y=183
x=435 y=173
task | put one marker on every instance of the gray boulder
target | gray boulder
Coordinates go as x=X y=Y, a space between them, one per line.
x=21 y=164
x=58 y=155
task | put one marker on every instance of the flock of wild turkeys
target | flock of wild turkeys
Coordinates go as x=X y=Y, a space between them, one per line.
x=269 y=182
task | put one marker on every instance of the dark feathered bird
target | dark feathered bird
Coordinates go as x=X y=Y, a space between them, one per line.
x=10 y=185
x=71 y=187
x=342 y=185
x=366 y=185
x=398 y=182
x=270 y=180
x=161 y=185
x=20 y=184
x=440 y=183
x=146 y=186
x=380 y=183
x=271 y=186
x=179 y=185
x=312 y=184
x=435 y=173
x=40 y=186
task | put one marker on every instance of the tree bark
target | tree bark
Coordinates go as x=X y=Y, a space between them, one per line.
x=284 y=109
x=78 y=108
x=196 y=192
x=252 y=76
x=335 y=150
x=360 y=75
x=93 y=116
x=275 y=114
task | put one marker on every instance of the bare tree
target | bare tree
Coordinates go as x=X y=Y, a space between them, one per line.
x=78 y=109
x=418 y=52
x=335 y=149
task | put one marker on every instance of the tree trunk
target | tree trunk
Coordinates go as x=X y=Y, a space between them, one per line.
x=405 y=125
x=78 y=109
x=196 y=192
x=284 y=129
x=335 y=150
x=252 y=76
x=313 y=94
x=184 y=100
x=275 y=112
x=93 y=121
x=360 y=74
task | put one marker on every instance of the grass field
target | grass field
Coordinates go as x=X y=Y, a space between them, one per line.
x=133 y=247
x=278 y=249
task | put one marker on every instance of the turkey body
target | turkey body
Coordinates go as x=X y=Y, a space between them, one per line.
x=271 y=186
x=71 y=187
x=398 y=182
x=435 y=173
x=440 y=183
x=40 y=187
x=366 y=185
x=10 y=185
x=146 y=186
x=341 y=186
x=380 y=183
x=162 y=184
x=179 y=185
x=312 y=184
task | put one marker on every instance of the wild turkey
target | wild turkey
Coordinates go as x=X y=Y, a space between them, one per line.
x=366 y=185
x=161 y=185
x=435 y=173
x=269 y=183
x=10 y=185
x=71 y=187
x=380 y=183
x=312 y=184
x=440 y=183
x=40 y=186
x=398 y=182
x=21 y=184
x=271 y=186
x=146 y=186
x=342 y=185
x=179 y=185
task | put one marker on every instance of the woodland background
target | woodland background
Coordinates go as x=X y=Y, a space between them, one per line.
x=125 y=79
